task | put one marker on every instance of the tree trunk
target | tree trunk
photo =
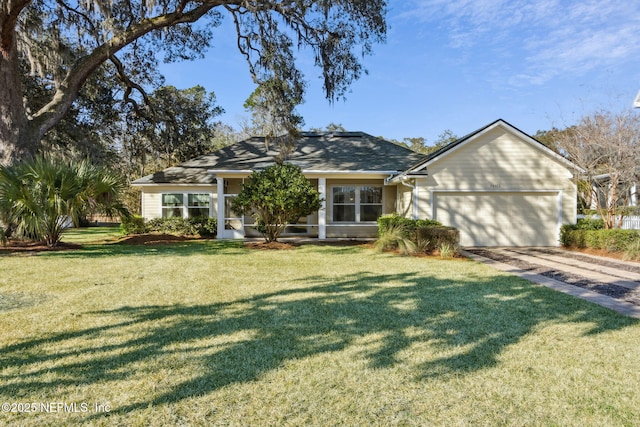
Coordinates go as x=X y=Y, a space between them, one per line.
x=15 y=139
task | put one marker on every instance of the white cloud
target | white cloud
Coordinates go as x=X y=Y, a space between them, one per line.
x=550 y=38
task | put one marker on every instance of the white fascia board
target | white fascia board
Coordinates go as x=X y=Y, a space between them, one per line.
x=309 y=171
x=399 y=178
x=171 y=184
x=230 y=171
x=347 y=172
x=498 y=190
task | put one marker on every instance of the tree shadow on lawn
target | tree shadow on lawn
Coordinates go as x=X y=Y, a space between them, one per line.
x=471 y=321
x=185 y=248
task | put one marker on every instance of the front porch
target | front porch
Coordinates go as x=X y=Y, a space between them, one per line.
x=350 y=208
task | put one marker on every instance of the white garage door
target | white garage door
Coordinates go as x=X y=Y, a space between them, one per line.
x=500 y=218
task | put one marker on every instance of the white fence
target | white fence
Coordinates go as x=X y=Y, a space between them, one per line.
x=628 y=222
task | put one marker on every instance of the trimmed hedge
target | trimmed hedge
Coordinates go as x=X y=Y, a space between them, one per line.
x=206 y=227
x=613 y=240
x=409 y=225
x=437 y=236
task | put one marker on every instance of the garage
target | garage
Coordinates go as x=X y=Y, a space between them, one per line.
x=501 y=218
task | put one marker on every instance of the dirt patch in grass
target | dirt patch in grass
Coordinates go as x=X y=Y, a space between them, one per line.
x=271 y=245
x=155 y=239
x=14 y=300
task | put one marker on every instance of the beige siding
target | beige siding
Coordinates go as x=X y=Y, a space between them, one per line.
x=498 y=161
x=360 y=231
x=404 y=201
x=152 y=197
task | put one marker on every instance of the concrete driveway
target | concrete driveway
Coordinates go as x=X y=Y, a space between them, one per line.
x=608 y=282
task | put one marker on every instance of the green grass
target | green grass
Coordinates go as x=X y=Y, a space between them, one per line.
x=210 y=333
x=91 y=235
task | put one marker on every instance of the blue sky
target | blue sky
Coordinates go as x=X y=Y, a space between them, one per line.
x=459 y=65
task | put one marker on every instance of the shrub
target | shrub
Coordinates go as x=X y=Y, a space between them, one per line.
x=394 y=237
x=589 y=224
x=426 y=235
x=208 y=227
x=632 y=252
x=447 y=251
x=408 y=225
x=571 y=237
x=183 y=226
x=133 y=224
x=276 y=196
x=205 y=227
x=437 y=236
x=613 y=240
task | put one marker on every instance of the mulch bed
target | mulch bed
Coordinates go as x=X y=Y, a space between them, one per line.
x=19 y=246
x=271 y=245
x=155 y=239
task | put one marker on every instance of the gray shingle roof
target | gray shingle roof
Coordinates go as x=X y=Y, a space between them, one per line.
x=342 y=151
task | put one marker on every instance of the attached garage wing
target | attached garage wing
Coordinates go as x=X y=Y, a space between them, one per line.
x=501 y=218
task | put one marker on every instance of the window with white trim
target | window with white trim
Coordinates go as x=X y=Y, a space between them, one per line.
x=356 y=203
x=198 y=205
x=186 y=205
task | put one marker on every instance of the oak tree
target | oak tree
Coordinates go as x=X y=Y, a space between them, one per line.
x=64 y=42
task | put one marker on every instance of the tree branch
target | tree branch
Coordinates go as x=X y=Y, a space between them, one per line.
x=9 y=14
x=122 y=75
x=68 y=90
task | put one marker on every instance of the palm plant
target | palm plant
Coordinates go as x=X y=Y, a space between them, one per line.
x=395 y=236
x=39 y=196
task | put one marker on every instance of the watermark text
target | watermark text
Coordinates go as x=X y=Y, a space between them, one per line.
x=55 y=407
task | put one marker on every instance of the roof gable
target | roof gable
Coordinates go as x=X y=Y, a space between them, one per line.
x=467 y=139
x=317 y=152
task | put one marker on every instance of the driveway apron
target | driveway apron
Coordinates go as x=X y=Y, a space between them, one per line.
x=601 y=271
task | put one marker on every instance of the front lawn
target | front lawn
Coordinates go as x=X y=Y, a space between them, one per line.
x=211 y=333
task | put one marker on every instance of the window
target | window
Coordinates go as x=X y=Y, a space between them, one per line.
x=356 y=203
x=172 y=205
x=198 y=206
x=344 y=204
x=370 y=203
x=186 y=205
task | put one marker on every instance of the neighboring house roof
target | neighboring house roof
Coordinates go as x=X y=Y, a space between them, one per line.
x=450 y=148
x=339 y=151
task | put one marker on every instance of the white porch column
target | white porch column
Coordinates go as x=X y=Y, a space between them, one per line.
x=634 y=194
x=322 y=212
x=415 y=199
x=220 y=215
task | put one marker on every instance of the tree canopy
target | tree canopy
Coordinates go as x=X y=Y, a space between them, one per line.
x=61 y=44
x=607 y=146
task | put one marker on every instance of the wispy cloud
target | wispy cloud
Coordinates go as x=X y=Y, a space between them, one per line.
x=550 y=37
